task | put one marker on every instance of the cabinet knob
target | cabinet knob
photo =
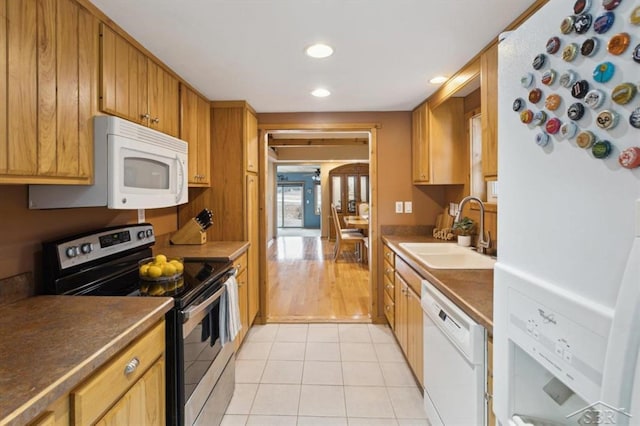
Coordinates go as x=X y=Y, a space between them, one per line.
x=387 y=271
x=131 y=366
x=388 y=308
x=155 y=120
x=145 y=116
x=388 y=254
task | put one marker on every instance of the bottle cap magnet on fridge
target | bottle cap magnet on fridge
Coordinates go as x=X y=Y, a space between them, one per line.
x=607 y=119
x=570 y=52
x=630 y=158
x=601 y=149
x=594 y=98
x=634 y=18
x=634 y=118
x=538 y=61
x=582 y=23
x=548 y=77
x=603 y=72
x=610 y=4
x=553 y=126
x=568 y=130
x=553 y=102
x=518 y=104
x=526 y=116
x=585 y=139
x=581 y=6
x=568 y=78
x=542 y=139
x=526 y=80
x=535 y=95
x=539 y=118
x=579 y=89
x=553 y=45
x=623 y=93
x=589 y=47
x=618 y=44
x=566 y=26
x=604 y=22
x=575 y=111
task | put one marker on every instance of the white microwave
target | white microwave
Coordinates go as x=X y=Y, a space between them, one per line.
x=135 y=168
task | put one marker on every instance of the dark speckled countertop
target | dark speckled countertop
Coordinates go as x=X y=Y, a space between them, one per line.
x=470 y=289
x=50 y=344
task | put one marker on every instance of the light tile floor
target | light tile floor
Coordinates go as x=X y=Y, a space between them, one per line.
x=323 y=374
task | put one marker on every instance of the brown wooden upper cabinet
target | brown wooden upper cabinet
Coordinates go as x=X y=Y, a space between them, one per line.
x=48 y=91
x=195 y=129
x=136 y=88
x=349 y=187
x=439 y=148
x=489 y=106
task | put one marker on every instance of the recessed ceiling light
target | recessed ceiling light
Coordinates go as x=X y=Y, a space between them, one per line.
x=319 y=50
x=321 y=93
x=438 y=79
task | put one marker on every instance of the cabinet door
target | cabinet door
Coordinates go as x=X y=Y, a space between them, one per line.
x=143 y=404
x=420 y=144
x=194 y=129
x=448 y=145
x=415 y=335
x=251 y=140
x=48 y=73
x=489 y=106
x=123 y=90
x=163 y=100
x=401 y=312
x=253 y=292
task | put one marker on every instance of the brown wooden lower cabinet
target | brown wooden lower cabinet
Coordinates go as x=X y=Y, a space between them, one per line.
x=127 y=390
x=243 y=297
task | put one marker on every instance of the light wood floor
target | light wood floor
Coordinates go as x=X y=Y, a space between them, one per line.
x=306 y=285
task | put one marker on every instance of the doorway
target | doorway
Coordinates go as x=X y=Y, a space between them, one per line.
x=290 y=205
x=308 y=290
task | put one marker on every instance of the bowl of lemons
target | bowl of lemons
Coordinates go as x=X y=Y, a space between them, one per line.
x=160 y=276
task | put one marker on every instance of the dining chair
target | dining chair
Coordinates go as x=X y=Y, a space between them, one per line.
x=345 y=239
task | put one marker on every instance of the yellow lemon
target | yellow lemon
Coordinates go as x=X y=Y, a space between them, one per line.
x=179 y=266
x=168 y=270
x=144 y=270
x=161 y=258
x=154 y=271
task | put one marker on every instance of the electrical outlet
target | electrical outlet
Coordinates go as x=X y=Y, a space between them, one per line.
x=408 y=207
x=453 y=209
x=398 y=206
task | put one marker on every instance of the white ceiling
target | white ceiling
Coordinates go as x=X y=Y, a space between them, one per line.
x=385 y=50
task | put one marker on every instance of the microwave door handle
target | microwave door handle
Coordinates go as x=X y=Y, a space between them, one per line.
x=179 y=195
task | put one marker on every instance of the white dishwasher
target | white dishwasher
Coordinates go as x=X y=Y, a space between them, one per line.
x=454 y=363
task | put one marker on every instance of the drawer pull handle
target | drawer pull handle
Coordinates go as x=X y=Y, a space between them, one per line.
x=131 y=366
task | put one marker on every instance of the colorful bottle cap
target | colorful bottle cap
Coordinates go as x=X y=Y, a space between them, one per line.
x=582 y=23
x=568 y=78
x=552 y=102
x=589 y=47
x=630 y=158
x=518 y=104
x=601 y=149
x=538 y=61
x=585 y=139
x=604 y=22
x=526 y=80
x=535 y=95
x=539 y=118
x=594 y=98
x=566 y=26
x=548 y=77
x=623 y=93
x=542 y=139
x=607 y=119
x=579 y=89
x=634 y=118
x=553 y=126
x=610 y=4
x=553 y=45
x=570 y=52
x=568 y=130
x=636 y=54
x=618 y=43
x=634 y=18
x=581 y=6
x=575 y=111
x=604 y=72
x=526 y=116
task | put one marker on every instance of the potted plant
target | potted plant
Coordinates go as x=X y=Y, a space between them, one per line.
x=464 y=228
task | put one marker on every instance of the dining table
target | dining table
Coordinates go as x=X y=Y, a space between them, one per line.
x=359 y=222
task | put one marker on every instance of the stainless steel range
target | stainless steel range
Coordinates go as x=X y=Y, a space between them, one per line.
x=105 y=262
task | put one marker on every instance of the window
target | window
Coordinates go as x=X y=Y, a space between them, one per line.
x=318 y=199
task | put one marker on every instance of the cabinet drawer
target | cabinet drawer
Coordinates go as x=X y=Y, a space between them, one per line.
x=388 y=271
x=410 y=276
x=389 y=288
x=389 y=256
x=241 y=263
x=389 y=310
x=91 y=399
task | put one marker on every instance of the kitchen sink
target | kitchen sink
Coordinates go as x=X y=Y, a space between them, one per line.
x=448 y=256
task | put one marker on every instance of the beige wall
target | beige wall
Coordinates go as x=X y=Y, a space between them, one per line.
x=24 y=230
x=394 y=181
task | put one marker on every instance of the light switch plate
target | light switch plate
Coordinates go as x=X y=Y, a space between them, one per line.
x=398 y=206
x=408 y=207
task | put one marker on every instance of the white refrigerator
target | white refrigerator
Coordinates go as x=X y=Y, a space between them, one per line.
x=567 y=279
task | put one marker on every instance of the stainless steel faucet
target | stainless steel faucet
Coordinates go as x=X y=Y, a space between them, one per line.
x=482 y=245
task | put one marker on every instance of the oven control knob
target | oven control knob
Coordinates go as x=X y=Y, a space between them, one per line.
x=86 y=248
x=141 y=235
x=149 y=232
x=71 y=251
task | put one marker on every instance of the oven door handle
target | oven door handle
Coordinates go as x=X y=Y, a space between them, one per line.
x=196 y=309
